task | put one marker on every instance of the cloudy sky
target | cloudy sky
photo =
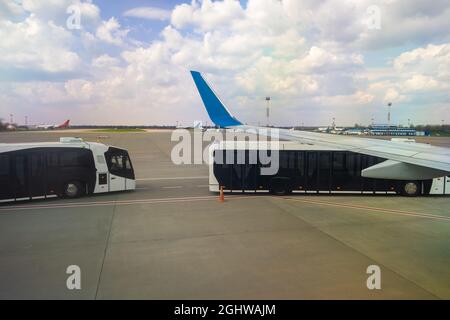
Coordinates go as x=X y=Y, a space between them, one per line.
x=128 y=62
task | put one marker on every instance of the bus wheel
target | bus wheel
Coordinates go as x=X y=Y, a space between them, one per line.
x=411 y=188
x=73 y=189
x=280 y=187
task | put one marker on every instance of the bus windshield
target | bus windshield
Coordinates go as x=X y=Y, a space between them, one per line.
x=119 y=163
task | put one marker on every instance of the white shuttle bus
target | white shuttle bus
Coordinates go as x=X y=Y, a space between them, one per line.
x=69 y=168
x=307 y=168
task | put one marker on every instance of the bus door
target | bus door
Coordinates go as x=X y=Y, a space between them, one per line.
x=38 y=173
x=120 y=169
x=440 y=186
x=116 y=182
x=20 y=176
x=6 y=182
x=447 y=184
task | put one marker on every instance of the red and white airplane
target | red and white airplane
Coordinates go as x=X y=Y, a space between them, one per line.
x=63 y=125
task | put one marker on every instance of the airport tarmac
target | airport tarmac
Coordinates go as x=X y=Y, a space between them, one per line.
x=172 y=239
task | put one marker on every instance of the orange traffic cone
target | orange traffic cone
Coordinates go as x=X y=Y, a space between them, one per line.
x=221 y=195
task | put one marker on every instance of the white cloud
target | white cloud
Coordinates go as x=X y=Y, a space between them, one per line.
x=149 y=13
x=104 y=61
x=321 y=60
x=79 y=89
x=432 y=60
x=415 y=22
x=392 y=95
x=110 y=32
x=56 y=11
x=37 y=45
x=208 y=15
x=420 y=82
x=40 y=92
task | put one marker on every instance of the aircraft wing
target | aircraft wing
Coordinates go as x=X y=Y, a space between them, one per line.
x=412 y=153
x=435 y=159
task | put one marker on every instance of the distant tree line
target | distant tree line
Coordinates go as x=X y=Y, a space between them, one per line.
x=432 y=127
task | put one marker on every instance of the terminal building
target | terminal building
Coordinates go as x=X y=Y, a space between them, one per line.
x=392 y=130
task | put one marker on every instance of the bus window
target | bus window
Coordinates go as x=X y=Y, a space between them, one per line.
x=4 y=165
x=340 y=173
x=6 y=191
x=300 y=174
x=353 y=168
x=236 y=172
x=250 y=171
x=76 y=158
x=52 y=159
x=38 y=176
x=311 y=171
x=20 y=177
x=324 y=170
x=284 y=159
x=287 y=166
x=116 y=163
x=69 y=158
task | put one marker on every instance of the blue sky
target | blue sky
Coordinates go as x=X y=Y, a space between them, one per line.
x=129 y=61
x=141 y=29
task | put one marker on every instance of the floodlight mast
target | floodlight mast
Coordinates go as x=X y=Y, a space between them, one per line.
x=267 y=110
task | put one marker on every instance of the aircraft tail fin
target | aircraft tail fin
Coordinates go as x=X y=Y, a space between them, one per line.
x=217 y=111
x=65 y=124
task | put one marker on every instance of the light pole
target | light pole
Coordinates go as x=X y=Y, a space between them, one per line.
x=389 y=118
x=11 y=118
x=267 y=110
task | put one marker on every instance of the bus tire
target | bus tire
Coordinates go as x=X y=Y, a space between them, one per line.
x=411 y=188
x=280 y=186
x=73 y=189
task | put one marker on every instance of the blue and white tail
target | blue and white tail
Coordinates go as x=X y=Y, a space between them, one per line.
x=217 y=112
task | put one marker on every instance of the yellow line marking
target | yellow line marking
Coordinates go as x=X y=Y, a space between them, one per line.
x=117 y=202
x=377 y=209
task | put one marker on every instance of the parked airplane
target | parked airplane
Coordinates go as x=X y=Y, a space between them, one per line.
x=63 y=125
x=410 y=164
x=197 y=126
x=11 y=127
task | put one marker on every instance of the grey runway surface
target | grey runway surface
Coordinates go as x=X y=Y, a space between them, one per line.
x=172 y=239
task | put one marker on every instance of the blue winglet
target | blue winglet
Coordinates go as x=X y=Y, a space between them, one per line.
x=218 y=113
